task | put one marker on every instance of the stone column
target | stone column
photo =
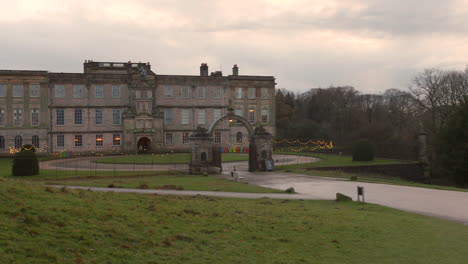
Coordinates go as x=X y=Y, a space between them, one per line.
x=261 y=150
x=201 y=144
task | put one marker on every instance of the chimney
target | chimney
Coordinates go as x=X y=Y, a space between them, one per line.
x=204 y=69
x=235 y=70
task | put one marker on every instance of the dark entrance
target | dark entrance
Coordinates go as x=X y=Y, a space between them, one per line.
x=144 y=144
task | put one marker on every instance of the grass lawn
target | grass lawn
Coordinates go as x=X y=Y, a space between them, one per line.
x=187 y=182
x=176 y=158
x=46 y=225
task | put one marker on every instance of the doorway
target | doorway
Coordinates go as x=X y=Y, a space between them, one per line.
x=144 y=145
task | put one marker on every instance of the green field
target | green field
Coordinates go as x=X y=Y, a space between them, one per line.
x=45 y=225
x=176 y=158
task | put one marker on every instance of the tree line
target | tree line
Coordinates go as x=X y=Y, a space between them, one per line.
x=391 y=121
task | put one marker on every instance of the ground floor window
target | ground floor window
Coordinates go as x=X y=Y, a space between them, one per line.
x=185 y=138
x=78 y=140
x=217 y=137
x=35 y=141
x=18 y=142
x=169 y=139
x=239 y=137
x=60 y=141
x=116 y=140
x=99 y=141
x=2 y=142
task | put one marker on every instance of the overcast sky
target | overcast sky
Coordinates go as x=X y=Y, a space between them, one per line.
x=369 y=44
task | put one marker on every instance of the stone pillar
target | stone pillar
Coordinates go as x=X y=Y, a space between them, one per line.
x=261 y=150
x=201 y=151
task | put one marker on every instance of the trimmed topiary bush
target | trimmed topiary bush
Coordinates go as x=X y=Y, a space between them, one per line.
x=25 y=162
x=363 y=151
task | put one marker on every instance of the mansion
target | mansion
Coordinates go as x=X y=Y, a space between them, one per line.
x=127 y=108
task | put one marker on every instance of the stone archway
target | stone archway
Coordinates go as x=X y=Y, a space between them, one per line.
x=143 y=144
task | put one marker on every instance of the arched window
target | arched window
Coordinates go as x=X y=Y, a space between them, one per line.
x=2 y=142
x=18 y=142
x=239 y=137
x=35 y=141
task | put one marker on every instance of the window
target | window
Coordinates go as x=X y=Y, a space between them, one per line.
x=18 y=117
x=34 y=90
x=115 y=91
x=217 y=92
x=264 y=92
x=99 y=91
x=169 y=139
x=185 y=117
x=116 y=117
x=34 y=117
x=2 y=90
x=2 y=117
x=78 y=140
x=60 y=141
x=239 y=93
x=201 y=92
x=185 y=138
x=78 y=116
x=239 y=137
x=78 y=91
x=2 y=142
x=17 y=90
x=251 y=93
x=251 y=116
x=99 y=141
x=35 y=141
x=217 y=137
x=98 y=117
x=137 y=94
x=185 y=92
x=239 y=112
x=264 y=116
x=217 y=113
x=148 y=123
x=149 y=94
x=168 y=91
x=168 y=116
x=18 y=142
x=201 y=117
x=116 y=140
x=60 y=117
x=59 y=91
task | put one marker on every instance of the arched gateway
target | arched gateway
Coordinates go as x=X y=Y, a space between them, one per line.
x=206 y=155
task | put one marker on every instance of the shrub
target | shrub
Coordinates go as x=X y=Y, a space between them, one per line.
x=343 y=198
x=363 y=151
x=25 y=162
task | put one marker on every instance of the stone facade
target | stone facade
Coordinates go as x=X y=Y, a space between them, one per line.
x=126 y=107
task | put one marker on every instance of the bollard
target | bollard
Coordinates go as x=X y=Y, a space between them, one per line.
x=360 y=193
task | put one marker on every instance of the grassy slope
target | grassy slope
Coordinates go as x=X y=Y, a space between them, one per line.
x=40 y=225
x=177 y=158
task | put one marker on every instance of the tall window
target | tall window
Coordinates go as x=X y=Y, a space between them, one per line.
x=99 y=91
x=201 y=92
x=2 y=117
x=185 y=138
x=264 y=92
x=168 y=91
x=201 y=117
x=217 y=137
x=34 y=117
x=35 y=141
x=18 y=117
x=239 y=137
x=60 y=141
x=116 y=91
x=2 y=142
x=149 y=94
x=251 y=116
x=217 y=92
x=137 y=94
x=18 y=142
x=60 y=117
x=238 y=93
x=78 y=140
x=264 y=116
x=168 y=116
x=78 y=91
x=98 y=117
x=17 y=90
x=59 y=91
x=185 y=116
x=78 y=116
x=116 y=139
x=251 y=93
x=184 y=92
x=217 y=114
x=116 y=117
x=99 y=141
x=34 y=90
x=169 y=139
x=2 y=90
